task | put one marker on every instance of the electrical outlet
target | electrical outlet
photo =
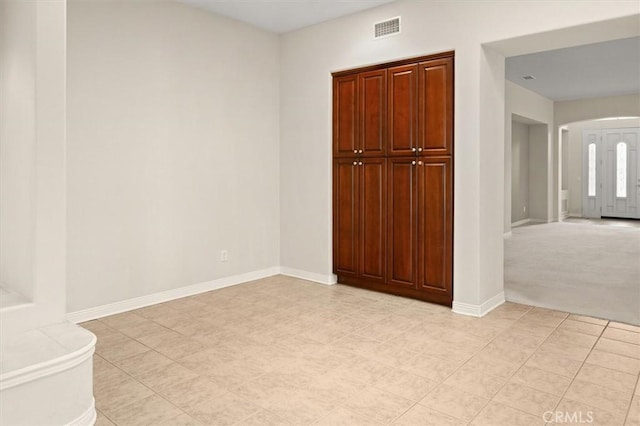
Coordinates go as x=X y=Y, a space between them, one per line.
x=224 y=256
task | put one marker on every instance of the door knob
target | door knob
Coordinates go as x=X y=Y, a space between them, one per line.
x=360 y=163
x=360 y=151
x=420 y=149
x=413 y=163
x=355 y=163
x=355 y=151
x=419 y=163
x=413 y=150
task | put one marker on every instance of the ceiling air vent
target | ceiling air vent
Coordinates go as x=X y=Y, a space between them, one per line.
x=387 y=28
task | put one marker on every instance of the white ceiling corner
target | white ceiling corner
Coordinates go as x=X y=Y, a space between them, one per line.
x=281 y=16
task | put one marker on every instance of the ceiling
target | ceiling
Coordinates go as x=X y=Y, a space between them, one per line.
x=281 y=16
x=594 y=70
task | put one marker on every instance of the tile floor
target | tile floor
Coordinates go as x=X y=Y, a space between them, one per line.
x=285 y=351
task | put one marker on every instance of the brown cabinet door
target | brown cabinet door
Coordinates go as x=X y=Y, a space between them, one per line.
x=435 y=116
x=402 y=110
x=435 y=204
x=401 y=221
x=345 y=216
x=372 y=91
x=345 y=115
x=372 y=177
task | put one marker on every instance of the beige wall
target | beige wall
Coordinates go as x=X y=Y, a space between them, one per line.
x=32 y=162
x=17 y=144
x=527 y=106
x=519 y=172
x=173 y=133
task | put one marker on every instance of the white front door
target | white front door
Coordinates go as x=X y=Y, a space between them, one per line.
x=620 y=173
x=611 y=182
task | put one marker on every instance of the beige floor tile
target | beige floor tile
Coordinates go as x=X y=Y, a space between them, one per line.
x=542 y=380
x=622 y=326
x=425 y=416
x=614 y=361
x=227 y=409
x=166 y=376
x=405 y=384
x=177 y=347
x=526 y=399
x=117 y=347
x=573 y=338
x=181 y=420
x=431 y=367
x=488 y=364
x=143 y=363
x=637 y=391
x=548 y=320
x=263 y=418
x=617 y=347
x=581 y=327
x=554 y=364
x=622 y=335
x=377 y=404
x=476 y=382
x=573 y=412
x=565 y=350
x=391 y=355
x=590 y=320
x=302 y=407
x=363 y=370
x=607 y=377
x=499 y=414
x=332 y=387
x=123 y=320
x=119 y=392
x=189 y=394
x=531 y=326
x=148 y=411
x=454 y=402
x=599 y=396
x=98 y=328
x=344 y=417
x=633 y=417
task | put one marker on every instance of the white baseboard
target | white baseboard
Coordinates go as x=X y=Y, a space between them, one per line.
x=520 y=222
x=177 y=293
x=165 y=296
x=507 y=235
x=478 y=310
x=328 y=279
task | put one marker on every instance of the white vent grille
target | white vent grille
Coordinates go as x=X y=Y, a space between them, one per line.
x=387 y=28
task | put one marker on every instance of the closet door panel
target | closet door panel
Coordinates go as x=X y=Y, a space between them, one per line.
x=401 y=225
x=373 y=100
x=435 y=225
x=345 y=116
x=345 y=217
x=436 y=107
x=403 y=109
x=372 y=216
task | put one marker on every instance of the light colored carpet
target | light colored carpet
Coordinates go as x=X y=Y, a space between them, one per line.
x=580 y=268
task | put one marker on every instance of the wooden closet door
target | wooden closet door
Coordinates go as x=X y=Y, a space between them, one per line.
x=373 y=206
x=435 y=120
x=403 y=110
x=345 y=116
x=401 y=221
x=435 y=206
x=372 y=89
x=345 y=217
